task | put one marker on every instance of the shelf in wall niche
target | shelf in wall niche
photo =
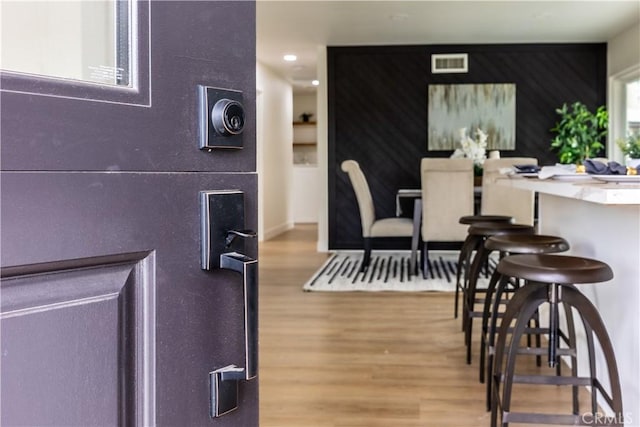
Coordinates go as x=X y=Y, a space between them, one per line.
x=304 y=133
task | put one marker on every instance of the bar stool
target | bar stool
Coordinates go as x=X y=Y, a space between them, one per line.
x=551 y=279
x=480 y=232
x=509 y=244
x=470 y=245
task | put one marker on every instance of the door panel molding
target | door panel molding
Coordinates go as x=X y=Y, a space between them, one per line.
x=107 y=307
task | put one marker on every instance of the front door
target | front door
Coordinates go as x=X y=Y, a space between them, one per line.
x=107 y=316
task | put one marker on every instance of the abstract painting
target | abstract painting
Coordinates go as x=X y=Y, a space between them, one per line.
x=490 y=107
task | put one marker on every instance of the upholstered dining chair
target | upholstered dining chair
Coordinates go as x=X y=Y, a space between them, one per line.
x=496 y=201
x=373 y=227
x=447 y=194
x=503 y=200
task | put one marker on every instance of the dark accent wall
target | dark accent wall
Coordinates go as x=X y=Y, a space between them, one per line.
x=378 y=112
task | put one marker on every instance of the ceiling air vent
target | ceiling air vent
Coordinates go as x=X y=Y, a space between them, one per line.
x=449 y=63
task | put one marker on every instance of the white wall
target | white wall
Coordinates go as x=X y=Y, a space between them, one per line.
x=623 y=50
x=274 y=152
x=323 y=144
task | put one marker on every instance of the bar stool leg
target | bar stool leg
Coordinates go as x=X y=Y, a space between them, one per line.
x=536 y=298
x=526 y=303
x=492 y=331
x=513 y=308
x=571 y=342
x=479 y=260
x=591 y=317
x=470 y=244
x=488 y=304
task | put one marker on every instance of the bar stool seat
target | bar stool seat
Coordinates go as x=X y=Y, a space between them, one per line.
x=557 y=269
x=472 y=219
x=498 y=285
x=495 y=229
x=478 y=233
x=527 y=243
x=469 y=245
x=551 y=281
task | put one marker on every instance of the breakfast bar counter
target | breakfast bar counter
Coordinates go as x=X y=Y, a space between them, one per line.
x=601 y=220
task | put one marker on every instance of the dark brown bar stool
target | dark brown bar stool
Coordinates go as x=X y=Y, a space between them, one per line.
x=508 y=244
x=479 y=232
x=470 y=245
x=551 y=280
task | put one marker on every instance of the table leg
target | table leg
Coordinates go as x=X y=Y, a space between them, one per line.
x=417 y=219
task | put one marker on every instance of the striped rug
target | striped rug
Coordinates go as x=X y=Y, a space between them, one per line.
x=388 y=271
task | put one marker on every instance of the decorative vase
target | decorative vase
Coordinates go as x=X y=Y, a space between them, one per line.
x=632 y=163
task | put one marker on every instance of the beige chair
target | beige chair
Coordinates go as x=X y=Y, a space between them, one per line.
x=502 y=200
x=447 y=194
x=372 y=227
x=497 y=201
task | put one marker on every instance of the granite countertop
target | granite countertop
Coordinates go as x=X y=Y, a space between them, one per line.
x=589 y=190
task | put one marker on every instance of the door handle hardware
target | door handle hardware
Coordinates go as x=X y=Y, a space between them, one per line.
x=222 y=215
x=222 y=231
x=223 y=389
x=232 y=234
x=249 y=269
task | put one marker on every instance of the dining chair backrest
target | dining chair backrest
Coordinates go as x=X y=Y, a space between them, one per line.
x=363 y=195
x=503 y=200
x=447 y=194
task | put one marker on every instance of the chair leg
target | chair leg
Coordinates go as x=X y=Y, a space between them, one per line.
x=425 y=260
x=367 y=254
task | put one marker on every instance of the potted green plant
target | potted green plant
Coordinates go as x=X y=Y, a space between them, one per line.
x=630 y=147
x=579 y=133
x=305 y=116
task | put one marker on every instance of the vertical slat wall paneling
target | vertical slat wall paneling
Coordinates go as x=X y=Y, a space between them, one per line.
x=378 y=112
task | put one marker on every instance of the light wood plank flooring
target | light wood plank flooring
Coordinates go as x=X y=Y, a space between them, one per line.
x=363 y=359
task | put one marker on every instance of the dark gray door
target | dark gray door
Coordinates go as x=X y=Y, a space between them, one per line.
x=107 y=317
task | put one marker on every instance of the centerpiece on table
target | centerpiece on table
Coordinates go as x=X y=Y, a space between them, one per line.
x=474 y=149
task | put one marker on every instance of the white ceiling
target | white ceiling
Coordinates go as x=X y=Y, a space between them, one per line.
x=301 y=26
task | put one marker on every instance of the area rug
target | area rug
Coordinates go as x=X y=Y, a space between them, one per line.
x=388 y=271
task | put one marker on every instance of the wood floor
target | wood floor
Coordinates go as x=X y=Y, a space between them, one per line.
x=363 y=359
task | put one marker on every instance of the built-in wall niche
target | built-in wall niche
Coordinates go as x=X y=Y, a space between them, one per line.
x=304 y=130
x=304 y=143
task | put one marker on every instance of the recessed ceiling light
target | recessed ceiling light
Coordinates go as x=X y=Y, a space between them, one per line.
x=290 y=57
x=315 y=82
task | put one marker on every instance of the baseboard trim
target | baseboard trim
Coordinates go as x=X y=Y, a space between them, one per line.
x=274 y=231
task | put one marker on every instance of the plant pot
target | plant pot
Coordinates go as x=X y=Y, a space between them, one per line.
x=632 y=163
